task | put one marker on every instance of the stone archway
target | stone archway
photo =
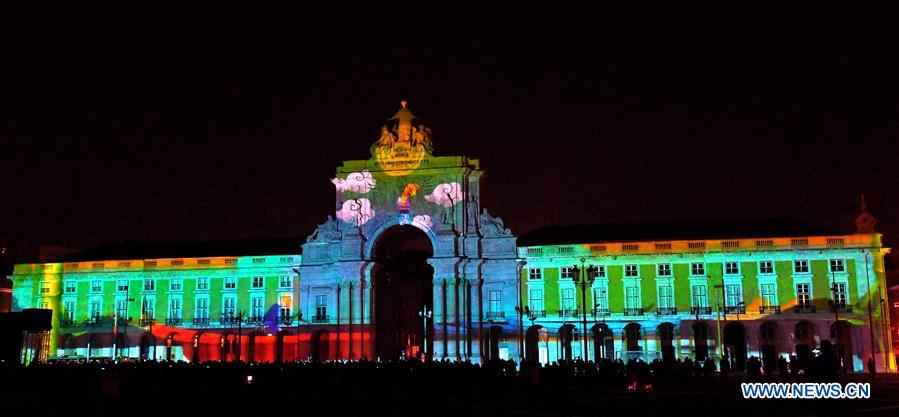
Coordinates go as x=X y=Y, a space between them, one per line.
x=769 y=344
x=841 y=333
x=566 y=339
x=534 y=336
x=321 y=345
x=403 y=286
x=665 y=332
x=603 y=342
x=700 y=340
x=804 y=338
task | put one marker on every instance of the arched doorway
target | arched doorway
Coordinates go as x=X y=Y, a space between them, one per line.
x=666 y=341
x=120 y=346
x=632 y=337
x=735 y=345
x=146 y=343
x=841 y=333
x=403 y=286
x=603 y=342
x=566 y=337
x=195 y=356
x=251 y=347
x=494 y=336
x=321 y=345
x=279 y=346
x=769 y=344
x=700 y=340
x=804 y=339
x=170 y=347
x=535 y=349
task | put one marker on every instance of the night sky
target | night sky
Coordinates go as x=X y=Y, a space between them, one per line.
x=144 y=123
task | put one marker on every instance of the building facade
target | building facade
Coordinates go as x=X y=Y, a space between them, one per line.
x=410 y=264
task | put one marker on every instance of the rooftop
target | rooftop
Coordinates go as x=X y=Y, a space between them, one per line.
x=691 y=230
x=204 y=249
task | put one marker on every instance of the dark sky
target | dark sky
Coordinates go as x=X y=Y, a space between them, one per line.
x=158 y=124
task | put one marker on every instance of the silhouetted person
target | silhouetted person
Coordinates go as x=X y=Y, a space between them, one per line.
x=872 y=367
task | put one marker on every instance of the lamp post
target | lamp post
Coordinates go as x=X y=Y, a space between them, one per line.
x=115 y=328
x=425 y=314
x=521 y=312
x=586 y=276
x=718 y=306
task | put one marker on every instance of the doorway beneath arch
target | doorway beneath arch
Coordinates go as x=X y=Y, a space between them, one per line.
x=735 y=345
x=403 y=288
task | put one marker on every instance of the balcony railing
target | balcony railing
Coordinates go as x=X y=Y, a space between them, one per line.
x=496 y=315
x=568 y=313
x=735 y=309
x=769 y=309
x=667 y=311
x=538 y=313
x=601 y=312
x=66 y=322
x=840 y=308
x=805 y=309
x=700 y=310
x=146 y=321
x=634 y=311
x=285 y=320
x=254 y=320
x=321 y=318
x=230 y=319
x=173 y=321
x=94 y=321
x=201 y=321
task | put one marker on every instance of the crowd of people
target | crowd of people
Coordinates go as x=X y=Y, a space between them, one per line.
x=98 y=387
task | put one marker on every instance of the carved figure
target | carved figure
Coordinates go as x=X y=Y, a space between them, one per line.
x=324 y=232
x=492 y=226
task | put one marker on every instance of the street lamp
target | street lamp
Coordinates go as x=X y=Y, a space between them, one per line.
x=425 y=314
x=586 y=276
x=115 y=328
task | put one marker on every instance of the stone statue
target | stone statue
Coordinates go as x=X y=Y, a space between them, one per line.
x=325 y=232
x=865 y=222
x=492 y=226
x=422 y=136
x=387 y=138
x=404 y=119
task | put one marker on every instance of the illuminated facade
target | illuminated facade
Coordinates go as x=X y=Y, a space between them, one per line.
x=411 y=264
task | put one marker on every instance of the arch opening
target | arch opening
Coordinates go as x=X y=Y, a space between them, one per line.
x=403 y=290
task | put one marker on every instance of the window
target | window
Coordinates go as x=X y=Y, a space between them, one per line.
x=535 y=300
x=803 y=295
x=121 y=309
x=202 y=308
x=496 y=301
x=176 y=284
x=256 y=308
x=731 y=268
x=70 y=287
x=800 y=266
x=286 y=281
x=600 y=271
x=45 y=287
x=733 y=295
x=148 y=307
x=535 y=273
x=230 y=283
x=149 y=285
x=697 y=268
x=630 y=270
x=666 y=297
x=766 y=267
x=568 y=272
x=601 y=299
x=769 y=294
x=175 y=308
x=122 y=285
x=568 y=304
x=96 y=286
x=837 y=265
x=69 y=310
x=839 y=294
x=202 y=283
x=45 y=304
x=258 y=282
x=664 y=270
x=700 y=296
x=284 y=306
x=230 y=307
x=632 y=297
x=95 y=309
x=321 y=306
